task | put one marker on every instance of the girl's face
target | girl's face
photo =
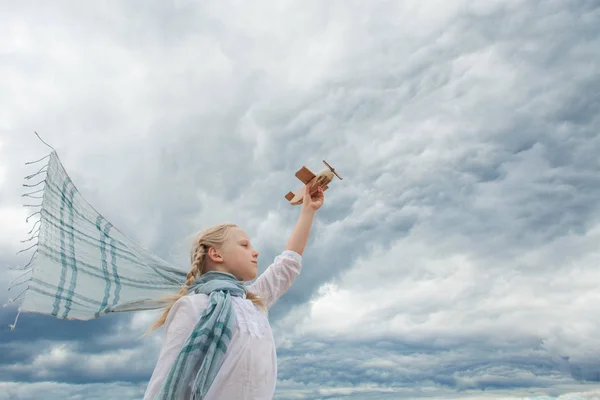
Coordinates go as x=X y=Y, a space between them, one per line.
x=238 y=257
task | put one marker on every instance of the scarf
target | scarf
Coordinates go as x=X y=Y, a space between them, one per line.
x=82 y=266
x=204 y=349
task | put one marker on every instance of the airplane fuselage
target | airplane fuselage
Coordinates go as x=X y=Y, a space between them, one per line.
x=322 y=179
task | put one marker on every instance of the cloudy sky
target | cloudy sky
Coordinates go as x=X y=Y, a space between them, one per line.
x=458 y=258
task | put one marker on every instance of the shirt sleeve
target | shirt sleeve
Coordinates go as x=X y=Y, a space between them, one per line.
x=277 y=278
x=179 y=325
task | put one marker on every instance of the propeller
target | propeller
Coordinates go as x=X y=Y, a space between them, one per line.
x=332 y=170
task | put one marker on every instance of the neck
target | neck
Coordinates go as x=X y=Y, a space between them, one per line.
x=220 y=269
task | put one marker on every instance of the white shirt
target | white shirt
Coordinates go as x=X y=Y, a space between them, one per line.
x=249 y=369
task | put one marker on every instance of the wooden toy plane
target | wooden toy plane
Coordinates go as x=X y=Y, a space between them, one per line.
x=308 y=178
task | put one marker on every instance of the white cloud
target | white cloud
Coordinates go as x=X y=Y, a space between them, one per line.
x=295 y=390
x=415 y=291
x=14 y=228
x=2 y=168
x=56 y=390
x=53 y=362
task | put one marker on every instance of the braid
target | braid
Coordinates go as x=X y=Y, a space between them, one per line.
x=198 y=258
x=256 y=300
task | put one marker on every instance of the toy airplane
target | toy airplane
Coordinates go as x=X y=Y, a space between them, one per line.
x=308 y=178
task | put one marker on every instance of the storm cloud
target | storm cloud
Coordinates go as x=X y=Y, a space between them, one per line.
x=458 y=257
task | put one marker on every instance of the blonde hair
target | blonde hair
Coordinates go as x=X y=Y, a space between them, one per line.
x=212 y=237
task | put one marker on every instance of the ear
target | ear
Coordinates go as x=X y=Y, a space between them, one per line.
x=214 y=255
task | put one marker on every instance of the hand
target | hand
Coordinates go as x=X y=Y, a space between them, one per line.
x=314 y=201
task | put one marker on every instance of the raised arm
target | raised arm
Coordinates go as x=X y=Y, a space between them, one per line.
x=280 y=275
x=299 y=237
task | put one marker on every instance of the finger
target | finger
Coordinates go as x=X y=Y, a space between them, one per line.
x=307 y=191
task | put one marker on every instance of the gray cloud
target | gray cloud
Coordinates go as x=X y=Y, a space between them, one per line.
x=461 y=242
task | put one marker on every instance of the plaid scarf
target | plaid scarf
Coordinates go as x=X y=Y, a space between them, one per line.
x=83 y=267
x=202 y=353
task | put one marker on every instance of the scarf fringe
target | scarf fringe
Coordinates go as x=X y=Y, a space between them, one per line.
x=33 y=233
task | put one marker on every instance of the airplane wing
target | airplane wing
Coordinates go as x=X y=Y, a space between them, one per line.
x=305 y=175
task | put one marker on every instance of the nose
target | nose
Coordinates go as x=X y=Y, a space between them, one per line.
x=255 y=254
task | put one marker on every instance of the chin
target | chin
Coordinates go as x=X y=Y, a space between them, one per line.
x=245 y=277
x=251 y=277
x=248 y=274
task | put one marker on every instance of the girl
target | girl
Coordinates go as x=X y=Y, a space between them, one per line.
x=218 y=342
